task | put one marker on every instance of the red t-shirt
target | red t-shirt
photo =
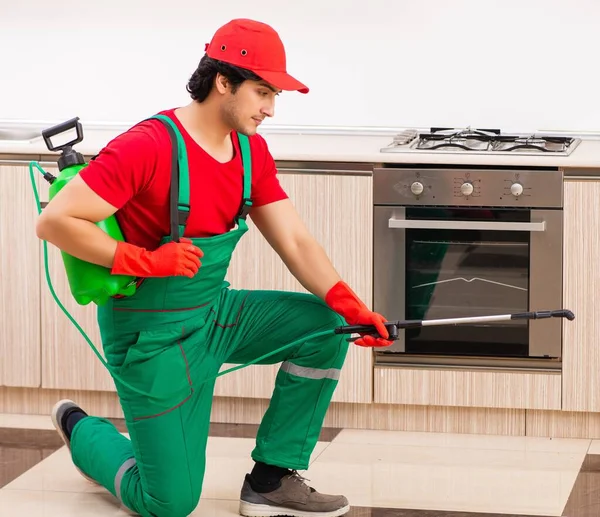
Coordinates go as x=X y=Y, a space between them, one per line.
x=133 y=173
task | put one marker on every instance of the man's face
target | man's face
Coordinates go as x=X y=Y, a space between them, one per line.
x=245 y=109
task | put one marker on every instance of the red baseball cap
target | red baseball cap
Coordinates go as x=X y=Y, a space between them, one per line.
x=254 y=46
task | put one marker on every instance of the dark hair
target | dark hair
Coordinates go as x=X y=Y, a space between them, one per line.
x=202 y=80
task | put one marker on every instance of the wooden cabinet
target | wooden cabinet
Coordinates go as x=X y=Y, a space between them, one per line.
x=337 y=209
x=19 y=279
x=467 y=388
x=68 y=361
x=41 y=347
x=581 y=284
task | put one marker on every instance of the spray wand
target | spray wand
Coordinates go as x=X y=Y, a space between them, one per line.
x=393 y=326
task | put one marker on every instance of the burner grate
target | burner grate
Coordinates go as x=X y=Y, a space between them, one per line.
x=489 y=140
x=480 y=141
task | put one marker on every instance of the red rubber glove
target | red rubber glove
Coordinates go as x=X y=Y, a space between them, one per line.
x=345 y=302
x=172 y=259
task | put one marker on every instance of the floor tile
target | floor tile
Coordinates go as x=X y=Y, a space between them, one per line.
x=15 y=461
x=584 y=500
x=463 y=441
x=73 y=504
x=360 y=511
x=594 y=447
x=30 y=438
x=56 y=473
x=383 y=473
x=22 y=449
x=434 y=477
x=227 y=462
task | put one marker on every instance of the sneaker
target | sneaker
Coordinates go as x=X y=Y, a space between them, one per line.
x=60 y=413
x=293 y=498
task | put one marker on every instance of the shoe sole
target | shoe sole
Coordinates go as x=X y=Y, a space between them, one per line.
x=263 y=510
x=56 y=417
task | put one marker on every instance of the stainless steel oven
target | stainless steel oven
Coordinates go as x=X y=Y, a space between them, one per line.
x=458 y=241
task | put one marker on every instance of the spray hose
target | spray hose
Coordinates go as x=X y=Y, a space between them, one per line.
x=36 y=165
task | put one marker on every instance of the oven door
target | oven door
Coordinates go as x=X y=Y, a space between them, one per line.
x=446 y=262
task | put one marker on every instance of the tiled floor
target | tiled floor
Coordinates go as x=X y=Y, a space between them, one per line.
x=384 y=474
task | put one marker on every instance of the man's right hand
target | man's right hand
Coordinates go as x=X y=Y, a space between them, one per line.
x=172 y=259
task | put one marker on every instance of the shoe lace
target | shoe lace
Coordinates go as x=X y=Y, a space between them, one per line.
x=295 y=476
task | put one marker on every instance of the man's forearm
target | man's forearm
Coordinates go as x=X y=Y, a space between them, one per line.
x=79 y=238
x=311 y=266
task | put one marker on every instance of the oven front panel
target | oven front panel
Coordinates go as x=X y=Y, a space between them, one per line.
x=445 y=262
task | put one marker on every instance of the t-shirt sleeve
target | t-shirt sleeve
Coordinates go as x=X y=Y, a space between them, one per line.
x=267 y=188
x=124 y=167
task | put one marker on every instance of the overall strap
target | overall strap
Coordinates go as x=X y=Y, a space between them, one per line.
x=247 y=162
x=180 y=180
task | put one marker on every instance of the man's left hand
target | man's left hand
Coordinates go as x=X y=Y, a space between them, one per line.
x=347 y=304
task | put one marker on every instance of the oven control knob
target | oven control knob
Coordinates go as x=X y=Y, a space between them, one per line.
x=417 y=188
x=516 y=189
x=466 y=189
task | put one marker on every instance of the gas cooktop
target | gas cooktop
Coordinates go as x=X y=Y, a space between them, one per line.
x=480 y=141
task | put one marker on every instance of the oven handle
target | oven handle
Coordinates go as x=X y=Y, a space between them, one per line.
x=420 y=224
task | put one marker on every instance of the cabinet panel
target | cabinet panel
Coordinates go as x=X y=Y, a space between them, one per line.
x=68 y=362
x=468 y=388
x=337 y=210
x=581 y=284
x=19 y=280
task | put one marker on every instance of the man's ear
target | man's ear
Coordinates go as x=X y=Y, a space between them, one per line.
x=222 y=83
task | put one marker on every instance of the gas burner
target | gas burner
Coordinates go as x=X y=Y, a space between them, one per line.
x=488 y=141
x=458 y=141
x=466 y=139
x=533 y=143
x=440 y=133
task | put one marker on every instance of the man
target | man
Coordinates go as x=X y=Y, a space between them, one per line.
x=171 y=337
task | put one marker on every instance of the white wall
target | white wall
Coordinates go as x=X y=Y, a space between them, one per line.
x=514 y=64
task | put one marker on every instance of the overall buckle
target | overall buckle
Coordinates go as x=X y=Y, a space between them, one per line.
x=183 y=212
x=245 y=208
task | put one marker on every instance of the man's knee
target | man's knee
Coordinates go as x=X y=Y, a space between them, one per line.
x=317 y=322
x=339 y=348
x=332 y=347
x=324 y=316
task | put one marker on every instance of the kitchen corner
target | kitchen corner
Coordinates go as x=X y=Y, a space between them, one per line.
x=342 y=168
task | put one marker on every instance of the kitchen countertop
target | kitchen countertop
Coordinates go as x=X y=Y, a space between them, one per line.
x=314 y=145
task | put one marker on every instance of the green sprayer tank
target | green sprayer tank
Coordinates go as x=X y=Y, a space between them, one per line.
x=88 y=282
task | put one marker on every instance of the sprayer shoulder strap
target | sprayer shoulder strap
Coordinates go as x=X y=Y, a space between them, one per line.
x=180 y=178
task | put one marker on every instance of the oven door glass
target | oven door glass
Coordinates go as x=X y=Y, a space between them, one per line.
x=462 y=273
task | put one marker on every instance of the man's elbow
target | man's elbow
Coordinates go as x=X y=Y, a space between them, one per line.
x=46 y=226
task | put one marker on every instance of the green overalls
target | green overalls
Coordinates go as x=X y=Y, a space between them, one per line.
x=175 y=333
